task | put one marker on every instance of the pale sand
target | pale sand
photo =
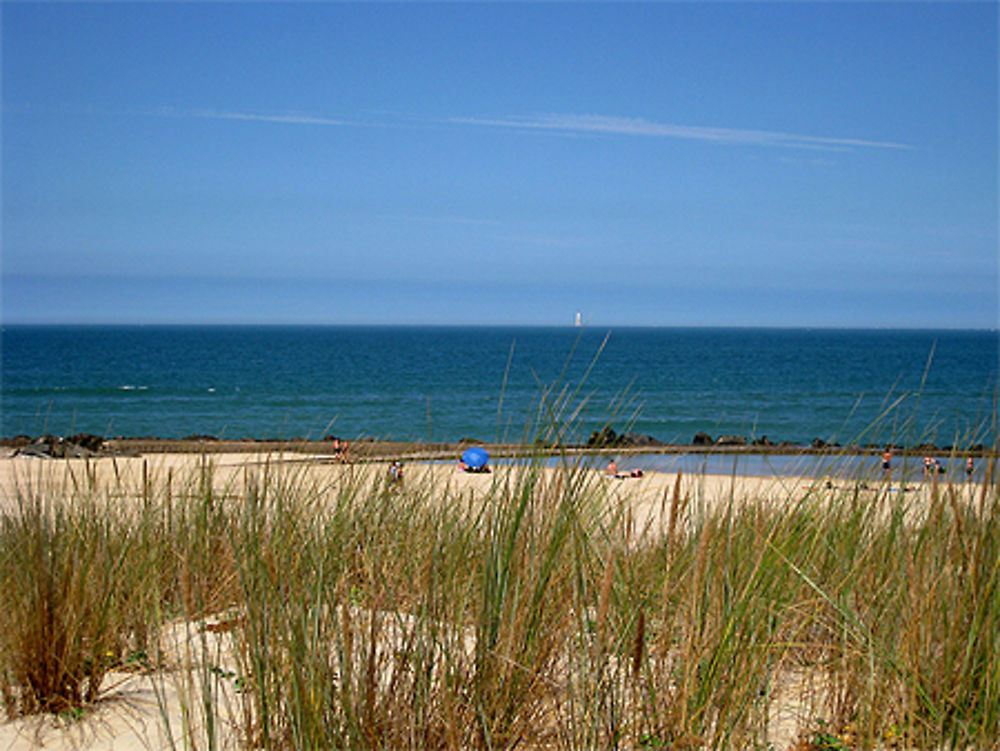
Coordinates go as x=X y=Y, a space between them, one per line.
x=231 y=470
x=130 y=714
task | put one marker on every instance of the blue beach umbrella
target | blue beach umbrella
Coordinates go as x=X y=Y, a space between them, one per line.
x=475 y=457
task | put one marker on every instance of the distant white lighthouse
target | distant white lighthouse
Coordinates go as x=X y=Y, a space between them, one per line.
x=579 y=319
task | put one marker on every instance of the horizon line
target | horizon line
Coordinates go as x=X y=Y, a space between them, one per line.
x=571 y=325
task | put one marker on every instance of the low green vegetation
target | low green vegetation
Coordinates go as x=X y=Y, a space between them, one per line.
x=358 y=614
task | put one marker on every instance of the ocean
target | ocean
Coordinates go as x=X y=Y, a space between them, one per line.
x=494 y=383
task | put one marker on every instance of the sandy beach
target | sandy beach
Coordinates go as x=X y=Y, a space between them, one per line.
x=230 y=471
x=139 y=710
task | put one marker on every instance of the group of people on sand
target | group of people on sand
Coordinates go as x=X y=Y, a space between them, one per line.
x=340 y=447
x=932 y=466
x=612 y=471
x=396 y=471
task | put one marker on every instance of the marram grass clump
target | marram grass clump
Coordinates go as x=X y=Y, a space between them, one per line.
x=72 y=595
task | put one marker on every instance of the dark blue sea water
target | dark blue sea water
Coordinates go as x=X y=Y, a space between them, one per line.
x=441 y=384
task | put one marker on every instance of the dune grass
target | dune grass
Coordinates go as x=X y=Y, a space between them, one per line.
x=356 y=614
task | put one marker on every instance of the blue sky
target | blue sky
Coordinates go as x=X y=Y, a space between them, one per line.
x=791 y=164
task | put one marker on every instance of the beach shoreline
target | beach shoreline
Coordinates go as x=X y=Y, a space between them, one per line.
x=856 y=465
x=370 y=449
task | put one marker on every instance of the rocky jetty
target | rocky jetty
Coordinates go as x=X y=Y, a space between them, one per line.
x=77 y=446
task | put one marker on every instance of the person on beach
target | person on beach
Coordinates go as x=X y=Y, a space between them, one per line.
x=612 y=471
x=396 y=475
x=970 y=467
x=887 y=461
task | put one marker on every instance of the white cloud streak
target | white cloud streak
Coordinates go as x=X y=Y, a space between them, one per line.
x=623 y=126
x=569 y=125
x=291 y=118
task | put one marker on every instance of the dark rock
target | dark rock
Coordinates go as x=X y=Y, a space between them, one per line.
x=87 y=441
x=49 y=446
x=762 y=441
x=50 y=443
x=34 y=448
x=199 y=437
x=818 y=443
x=606 y=436
x=731 y=440
x=702 y=439
x=638 y=439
